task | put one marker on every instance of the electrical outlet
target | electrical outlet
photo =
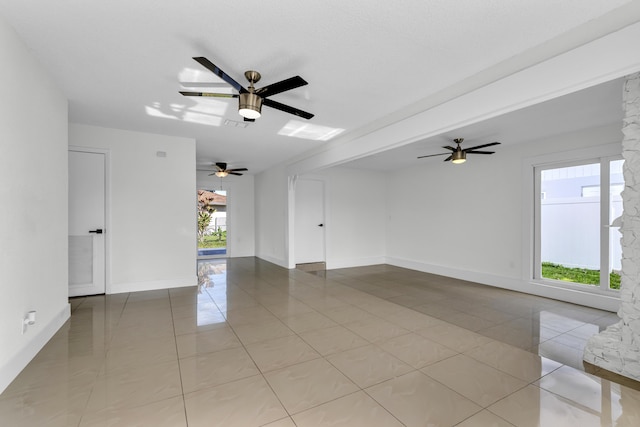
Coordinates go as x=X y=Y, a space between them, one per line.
x=28 y=320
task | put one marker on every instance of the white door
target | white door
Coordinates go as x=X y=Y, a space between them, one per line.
x=86 y=223
x=309 y=221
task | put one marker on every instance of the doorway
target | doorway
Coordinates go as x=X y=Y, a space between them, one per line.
x=87 y=207
x=212 y=223
x=309 y=223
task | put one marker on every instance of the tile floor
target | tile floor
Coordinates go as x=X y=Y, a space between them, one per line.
x=258 y=345
x=549 y=328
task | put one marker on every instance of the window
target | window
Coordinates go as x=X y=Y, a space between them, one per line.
x=575 y=244
x=594 y=190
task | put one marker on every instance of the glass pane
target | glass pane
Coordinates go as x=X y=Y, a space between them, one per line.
x=570 y=224
x=616 y=186
x=212 y=222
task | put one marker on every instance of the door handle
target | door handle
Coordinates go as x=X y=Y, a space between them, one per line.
x=320 y=225
x=97 y=231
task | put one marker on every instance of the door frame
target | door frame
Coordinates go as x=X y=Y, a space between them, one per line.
x=291 y=215
x=107 y=209
x=227 y=253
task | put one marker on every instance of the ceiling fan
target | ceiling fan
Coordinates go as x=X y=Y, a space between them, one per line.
x=223 y=171
x=459 y=155
x=252 y=99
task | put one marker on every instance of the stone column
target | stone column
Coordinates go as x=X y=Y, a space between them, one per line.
x=617 y=349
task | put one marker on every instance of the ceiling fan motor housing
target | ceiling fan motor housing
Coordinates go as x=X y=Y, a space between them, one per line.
x=250 y=102
x=458 y=156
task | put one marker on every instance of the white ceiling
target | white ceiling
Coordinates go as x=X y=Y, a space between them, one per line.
x=121 y=63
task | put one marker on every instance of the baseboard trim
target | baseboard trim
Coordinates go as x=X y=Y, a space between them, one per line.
x=17 y=363
x=355 y=262
x=279 y=262
x=602 y=302
x=151 y=285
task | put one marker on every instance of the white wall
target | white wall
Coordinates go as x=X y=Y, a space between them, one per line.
x=459 y=216
x=33 y=207
x=466 y=220
x=240 y=210
x=151 y=231
x=356 y=217
x=271 y=216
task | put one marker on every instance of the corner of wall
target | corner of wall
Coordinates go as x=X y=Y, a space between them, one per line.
x=17 y=363
x=279 y=262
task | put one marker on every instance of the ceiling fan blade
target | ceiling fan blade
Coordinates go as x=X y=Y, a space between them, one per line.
x=234 y=173
x=237 y=170
x=433 y=155
x=218 y=72
x=221 y=165
x=282 y=86
x=448 y=147
x=214 y=95
x=481 y=146
x=480 y=152
x=448 y=158
x=286 y=108
x=205 y=84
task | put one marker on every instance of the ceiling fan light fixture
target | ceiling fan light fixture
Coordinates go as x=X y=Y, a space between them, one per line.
x=222 y=174
x=250 y=105
x=458 y=157
x=251 y=99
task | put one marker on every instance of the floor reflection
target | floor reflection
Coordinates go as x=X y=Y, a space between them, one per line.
x=550 y=328
x=210 y=272
x=255 y=344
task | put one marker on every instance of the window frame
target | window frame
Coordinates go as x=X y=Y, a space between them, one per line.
x=532 y=167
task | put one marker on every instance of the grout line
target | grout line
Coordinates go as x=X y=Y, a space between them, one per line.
x=175 y=340
x=324 y=287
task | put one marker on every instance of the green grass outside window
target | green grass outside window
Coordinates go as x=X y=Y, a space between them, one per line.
x=577 y=275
